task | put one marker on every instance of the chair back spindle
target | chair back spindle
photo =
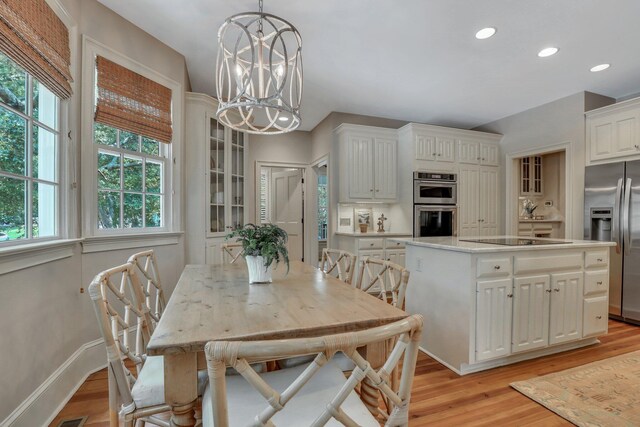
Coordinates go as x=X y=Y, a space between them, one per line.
x=391 y=278
x=146 y=264
x=231 y=253
x=340 y=264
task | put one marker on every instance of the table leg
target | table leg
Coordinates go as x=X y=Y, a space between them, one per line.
x=181 y=387
x=376 y=355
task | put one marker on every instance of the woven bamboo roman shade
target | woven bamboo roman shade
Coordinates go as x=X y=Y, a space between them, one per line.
x=131 y=102
x=32 y=35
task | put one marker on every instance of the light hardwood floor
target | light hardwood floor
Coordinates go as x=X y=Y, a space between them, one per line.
x=440 y=397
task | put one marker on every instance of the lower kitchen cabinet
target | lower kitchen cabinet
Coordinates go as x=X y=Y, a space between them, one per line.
x=565 y=322
x=493 y=325
x=531 y=297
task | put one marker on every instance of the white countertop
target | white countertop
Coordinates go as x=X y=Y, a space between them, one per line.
x=529 y=221
x=455 y=244
x=375 y=234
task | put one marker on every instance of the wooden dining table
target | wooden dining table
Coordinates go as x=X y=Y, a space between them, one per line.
x=216 y=302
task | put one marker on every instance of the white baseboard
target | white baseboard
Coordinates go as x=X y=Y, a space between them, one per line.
x=44 y=404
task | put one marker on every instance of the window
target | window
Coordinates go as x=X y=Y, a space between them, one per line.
x=322 y=205
x=29 y=156
x=130 y=179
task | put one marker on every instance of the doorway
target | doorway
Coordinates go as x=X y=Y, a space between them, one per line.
x=280 y=201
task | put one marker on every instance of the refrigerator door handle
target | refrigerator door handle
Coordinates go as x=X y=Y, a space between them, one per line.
x=626 y=229
x=616 y=232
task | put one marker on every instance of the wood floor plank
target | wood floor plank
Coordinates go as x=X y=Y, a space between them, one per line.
x=440 y=397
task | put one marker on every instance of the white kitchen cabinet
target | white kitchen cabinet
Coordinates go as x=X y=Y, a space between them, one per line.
x=478 y=153
x=493 y=318
x=368 y=164
x=530 y=312
x=613 y=131
x=565 y=322
x=531 y=176
x=396 y=256
x=478 y=200
x=215 y=166
x=434 y=148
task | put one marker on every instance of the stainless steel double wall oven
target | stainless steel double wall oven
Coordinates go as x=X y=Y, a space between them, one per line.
x=435 y=196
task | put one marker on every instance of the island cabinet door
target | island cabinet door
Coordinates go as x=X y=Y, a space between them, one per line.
x=530 y=313
x=493 y=318
x=566 y=307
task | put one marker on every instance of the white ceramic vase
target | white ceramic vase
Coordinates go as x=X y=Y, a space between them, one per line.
x=257 y=271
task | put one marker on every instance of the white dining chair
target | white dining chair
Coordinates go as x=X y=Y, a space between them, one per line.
x=340 y=264
x=231 y=253
x=146 y=264
x=313 y=394
x=117 y=300
x=385 y=279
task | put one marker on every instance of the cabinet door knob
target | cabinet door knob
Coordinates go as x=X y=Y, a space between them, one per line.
x=637 y=147
x=496 y=267
x=598 y=317
x=548 y=290
x=371 y=190
x=599 y=259
x=439 y=154
x=509 y=295
x=377 y=191
x=557 y=290
x=477 y=158
x=599 y=283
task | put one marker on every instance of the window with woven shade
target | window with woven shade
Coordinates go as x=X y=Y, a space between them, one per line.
x=33 y=36
x=131 y=102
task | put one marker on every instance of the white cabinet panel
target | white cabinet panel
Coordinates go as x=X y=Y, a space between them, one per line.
x=596 y=282
x=626 y=129
x=493 y=267
x=489 y=198
x=446 y=149
x=489 y=155
x=614 y=133
x=397 y=256
x=435 y=148
x=386 y=168
x=493 y=321
x=566 y=307
x=425 y=146
x=468 y=152
x=360 y=170
x=595 y=317
x=468 y=201
x=530 y=313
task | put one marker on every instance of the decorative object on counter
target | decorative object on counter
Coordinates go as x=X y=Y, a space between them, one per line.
x=363 y=228
x=259 y=73
x=363 y=217
x=381 y=221
x=345 y=219
x=528 y=208
x=263 y=245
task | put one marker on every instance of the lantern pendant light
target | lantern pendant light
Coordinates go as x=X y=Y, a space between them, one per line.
x=259 y=73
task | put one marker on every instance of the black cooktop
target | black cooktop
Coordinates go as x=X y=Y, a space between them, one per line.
x=516 y=241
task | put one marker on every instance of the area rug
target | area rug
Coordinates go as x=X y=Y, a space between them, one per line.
x=603 y=393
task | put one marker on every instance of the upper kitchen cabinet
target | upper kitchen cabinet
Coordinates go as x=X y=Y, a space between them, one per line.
x=368 y=163
x=440 y=148
x=613 y=132
x=216 y=164
x=531 y=176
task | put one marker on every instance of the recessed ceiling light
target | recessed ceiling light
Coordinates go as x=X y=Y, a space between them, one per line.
x=600 y=67
x=548 y=51
x=485 y=33
x=283 y=119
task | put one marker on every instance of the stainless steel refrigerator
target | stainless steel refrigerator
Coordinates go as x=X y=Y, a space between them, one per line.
x=612 y=212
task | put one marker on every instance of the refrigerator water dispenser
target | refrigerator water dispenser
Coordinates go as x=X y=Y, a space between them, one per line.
x=601 y=224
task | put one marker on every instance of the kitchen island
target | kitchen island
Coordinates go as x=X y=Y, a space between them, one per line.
x=488 y=304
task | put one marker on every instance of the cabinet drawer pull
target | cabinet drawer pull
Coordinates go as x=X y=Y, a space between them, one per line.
x=599 y=259
x=434 y=154
x=509 y=295
x=598 y=317
x=599 y=283
x=548 y=290
x=370 y=244
x=557 y=290
x=496 y=267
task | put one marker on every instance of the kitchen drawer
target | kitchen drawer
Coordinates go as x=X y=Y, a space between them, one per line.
x=370 y=244
x=526 y=264
x=595 y=316
x=493 y=267
x=596 y=282
x=596 y=259
x=389 y=244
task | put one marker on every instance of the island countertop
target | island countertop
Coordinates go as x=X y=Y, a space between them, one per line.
x=460 y=244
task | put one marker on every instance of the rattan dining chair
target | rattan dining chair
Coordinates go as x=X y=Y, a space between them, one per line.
x=340 y=264
x=231 y=253
x=146 y=264
x=117 y=300
x=385 y=279
x=312 y=394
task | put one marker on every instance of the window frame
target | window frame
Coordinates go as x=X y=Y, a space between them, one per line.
x=60 y=162
x=171 y=171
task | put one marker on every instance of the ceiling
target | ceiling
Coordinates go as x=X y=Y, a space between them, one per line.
x=418 y=60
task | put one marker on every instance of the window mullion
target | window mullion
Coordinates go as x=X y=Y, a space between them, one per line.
x=121 y=186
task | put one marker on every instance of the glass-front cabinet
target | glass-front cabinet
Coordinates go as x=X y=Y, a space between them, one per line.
x=226 y=178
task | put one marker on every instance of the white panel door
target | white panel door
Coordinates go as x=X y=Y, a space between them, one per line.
x=468 y=152
x=493 y=319
x=601 y=138
x=468 y=201
x=626 y=133
x=445 y=149
x=286 y=205
x=360 y=167
x=489 y=155
x=530 y=313
x=566 y=307
x=396 y=256
x=489 y=200
x=425 y=147
x=386 y=169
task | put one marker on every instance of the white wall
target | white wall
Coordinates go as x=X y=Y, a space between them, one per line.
x=45 y=318
x=554 y=123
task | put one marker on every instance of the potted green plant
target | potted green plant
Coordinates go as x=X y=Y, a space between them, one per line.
x=262 y=246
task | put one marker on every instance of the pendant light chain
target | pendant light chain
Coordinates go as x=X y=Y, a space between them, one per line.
x=260 y=33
